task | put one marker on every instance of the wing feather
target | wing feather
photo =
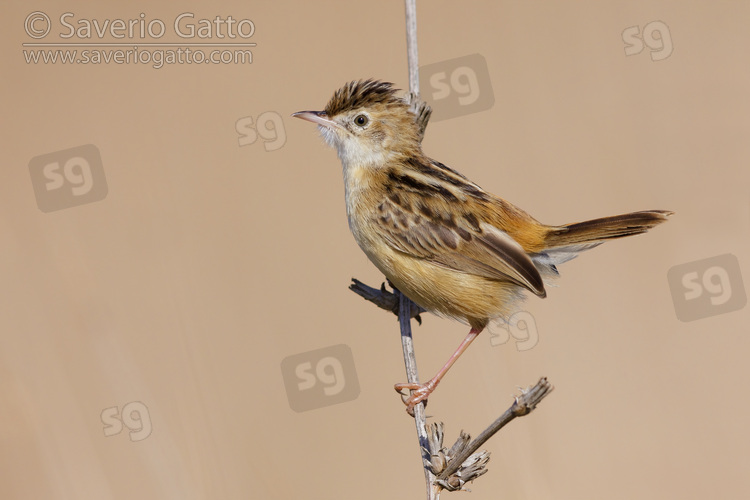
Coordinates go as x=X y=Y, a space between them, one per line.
x=463 y=245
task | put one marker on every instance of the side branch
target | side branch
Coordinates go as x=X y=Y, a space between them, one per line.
x=523 y=405
x=384 y=299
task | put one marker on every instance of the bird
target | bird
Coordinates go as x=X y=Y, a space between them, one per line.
x=451 y=247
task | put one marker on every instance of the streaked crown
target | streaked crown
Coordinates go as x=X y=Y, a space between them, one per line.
x=363 y=94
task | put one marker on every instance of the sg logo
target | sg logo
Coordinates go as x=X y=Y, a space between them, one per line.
x=522 y=327
x=135 y=417
x=270 y=128
x=319 y=378
x=457 y=87
x=68 y=178
x=655 y=35
x=707 y=287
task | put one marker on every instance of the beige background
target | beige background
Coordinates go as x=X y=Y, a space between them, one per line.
x=208 y=263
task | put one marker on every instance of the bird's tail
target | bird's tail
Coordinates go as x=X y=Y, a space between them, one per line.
x=593 y=232
x=563 y=243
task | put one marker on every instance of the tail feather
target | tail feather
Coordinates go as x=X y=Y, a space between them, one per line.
x=592 y=232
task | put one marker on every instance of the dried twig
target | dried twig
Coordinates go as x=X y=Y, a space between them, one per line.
x=468 y=469
x=523 y=405
x=384 y=299
x=421 y=110
x=410 y=361
x=412 y=51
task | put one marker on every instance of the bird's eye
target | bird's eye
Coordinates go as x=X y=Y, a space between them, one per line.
x=361 y=120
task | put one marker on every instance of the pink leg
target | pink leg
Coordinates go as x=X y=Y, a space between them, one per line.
x=420 y=392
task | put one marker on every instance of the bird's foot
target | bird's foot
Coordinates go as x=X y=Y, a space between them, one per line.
x=420 y=393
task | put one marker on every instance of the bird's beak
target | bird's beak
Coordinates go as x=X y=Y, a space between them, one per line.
x=318 y=117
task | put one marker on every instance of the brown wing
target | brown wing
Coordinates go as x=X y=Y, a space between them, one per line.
x=465 y=243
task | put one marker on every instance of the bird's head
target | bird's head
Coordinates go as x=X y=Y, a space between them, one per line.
x=367 y=123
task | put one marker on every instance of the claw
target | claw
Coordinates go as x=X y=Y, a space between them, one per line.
x=404 y=397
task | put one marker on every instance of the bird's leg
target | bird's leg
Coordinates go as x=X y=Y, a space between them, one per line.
x=422 y=391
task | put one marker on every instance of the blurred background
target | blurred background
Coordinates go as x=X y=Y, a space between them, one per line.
x=175 y=253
